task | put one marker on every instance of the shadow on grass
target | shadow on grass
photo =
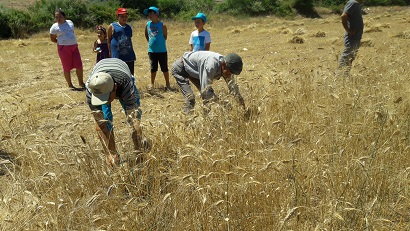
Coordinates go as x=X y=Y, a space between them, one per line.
x=7 y=162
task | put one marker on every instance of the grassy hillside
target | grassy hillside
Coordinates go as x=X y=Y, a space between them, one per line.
x=316 y=153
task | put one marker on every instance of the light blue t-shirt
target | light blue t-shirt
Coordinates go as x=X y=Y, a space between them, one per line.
x=156 y=39
x=199 y=40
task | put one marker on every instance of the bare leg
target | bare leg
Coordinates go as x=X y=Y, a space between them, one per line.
x=67 y=76
x=107 y=139
x=137 y=140
x=166 y=76
x=79 y=73
x=153 y=75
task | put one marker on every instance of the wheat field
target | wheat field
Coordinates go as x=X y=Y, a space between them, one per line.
x=316 y=152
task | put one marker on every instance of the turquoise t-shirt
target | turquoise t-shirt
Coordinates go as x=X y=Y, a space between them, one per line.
x=156 y=39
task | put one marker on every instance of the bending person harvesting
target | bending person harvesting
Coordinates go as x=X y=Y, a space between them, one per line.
x=201 y=68
x=111 y=79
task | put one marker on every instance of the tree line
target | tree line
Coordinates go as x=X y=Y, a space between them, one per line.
x=16 y=23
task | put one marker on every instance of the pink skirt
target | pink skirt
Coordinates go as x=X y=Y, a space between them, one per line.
x=70 y=57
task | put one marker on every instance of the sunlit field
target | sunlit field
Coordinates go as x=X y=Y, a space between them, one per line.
x=313 y=152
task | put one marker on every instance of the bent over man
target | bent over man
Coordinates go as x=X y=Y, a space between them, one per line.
x=111 y=79
x=201 y=68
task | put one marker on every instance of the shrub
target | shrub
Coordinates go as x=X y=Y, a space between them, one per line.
x=15 y=23
x=40 y=16
x=170 y=8
x=386 y=2
x=284 y=10
x=139 y=5
x=83 y=13
x=199 y=5
x=251 y=7
x=329 y=2
x=5 y=30
x=337 y=9
x=305 y=8
x=101 y=13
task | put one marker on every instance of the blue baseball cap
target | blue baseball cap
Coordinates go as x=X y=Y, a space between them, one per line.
x=201 y=16
x=152 y=8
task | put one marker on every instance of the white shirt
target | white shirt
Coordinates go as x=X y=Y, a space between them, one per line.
x=199 y=40
x=64 y=32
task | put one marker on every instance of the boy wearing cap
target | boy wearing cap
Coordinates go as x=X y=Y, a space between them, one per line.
x=201 y=68
x=119 y=39
x=156 y=34
x=111 y=79
x=200 y=39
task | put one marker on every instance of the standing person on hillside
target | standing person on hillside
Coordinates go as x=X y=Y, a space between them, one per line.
x=111 y=79
x=201 y=68
x=119 y=39
x=352 y=22
x=200 y=39
x=101 y=45
x=62 y=33
x=156 y=34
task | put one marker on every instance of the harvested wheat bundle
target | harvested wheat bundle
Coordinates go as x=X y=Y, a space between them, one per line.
x=319 y=34
x=297 y=39
x=403 y=34
x=373 y=29
x=335 y=40
x=367 y=43
x=286 y=31
x=300 y=31
x=384 y=25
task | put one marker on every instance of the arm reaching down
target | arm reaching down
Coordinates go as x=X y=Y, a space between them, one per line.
x=234 y=90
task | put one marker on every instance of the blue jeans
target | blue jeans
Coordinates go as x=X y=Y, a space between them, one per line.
x=106 y=108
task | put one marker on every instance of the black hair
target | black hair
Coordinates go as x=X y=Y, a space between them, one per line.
x=59 y=10
x=101 y=28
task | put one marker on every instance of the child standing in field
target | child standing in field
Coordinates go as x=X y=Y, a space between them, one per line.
x=200 y=39
x=101 y=45
x=119 y=39
x=156 y=35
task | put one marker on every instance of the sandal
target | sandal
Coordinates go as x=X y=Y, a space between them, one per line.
x=77 y=88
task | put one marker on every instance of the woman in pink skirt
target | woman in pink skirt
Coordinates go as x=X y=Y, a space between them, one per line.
x=62 y=33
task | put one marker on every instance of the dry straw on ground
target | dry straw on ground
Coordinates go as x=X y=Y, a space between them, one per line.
x=314 y=152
